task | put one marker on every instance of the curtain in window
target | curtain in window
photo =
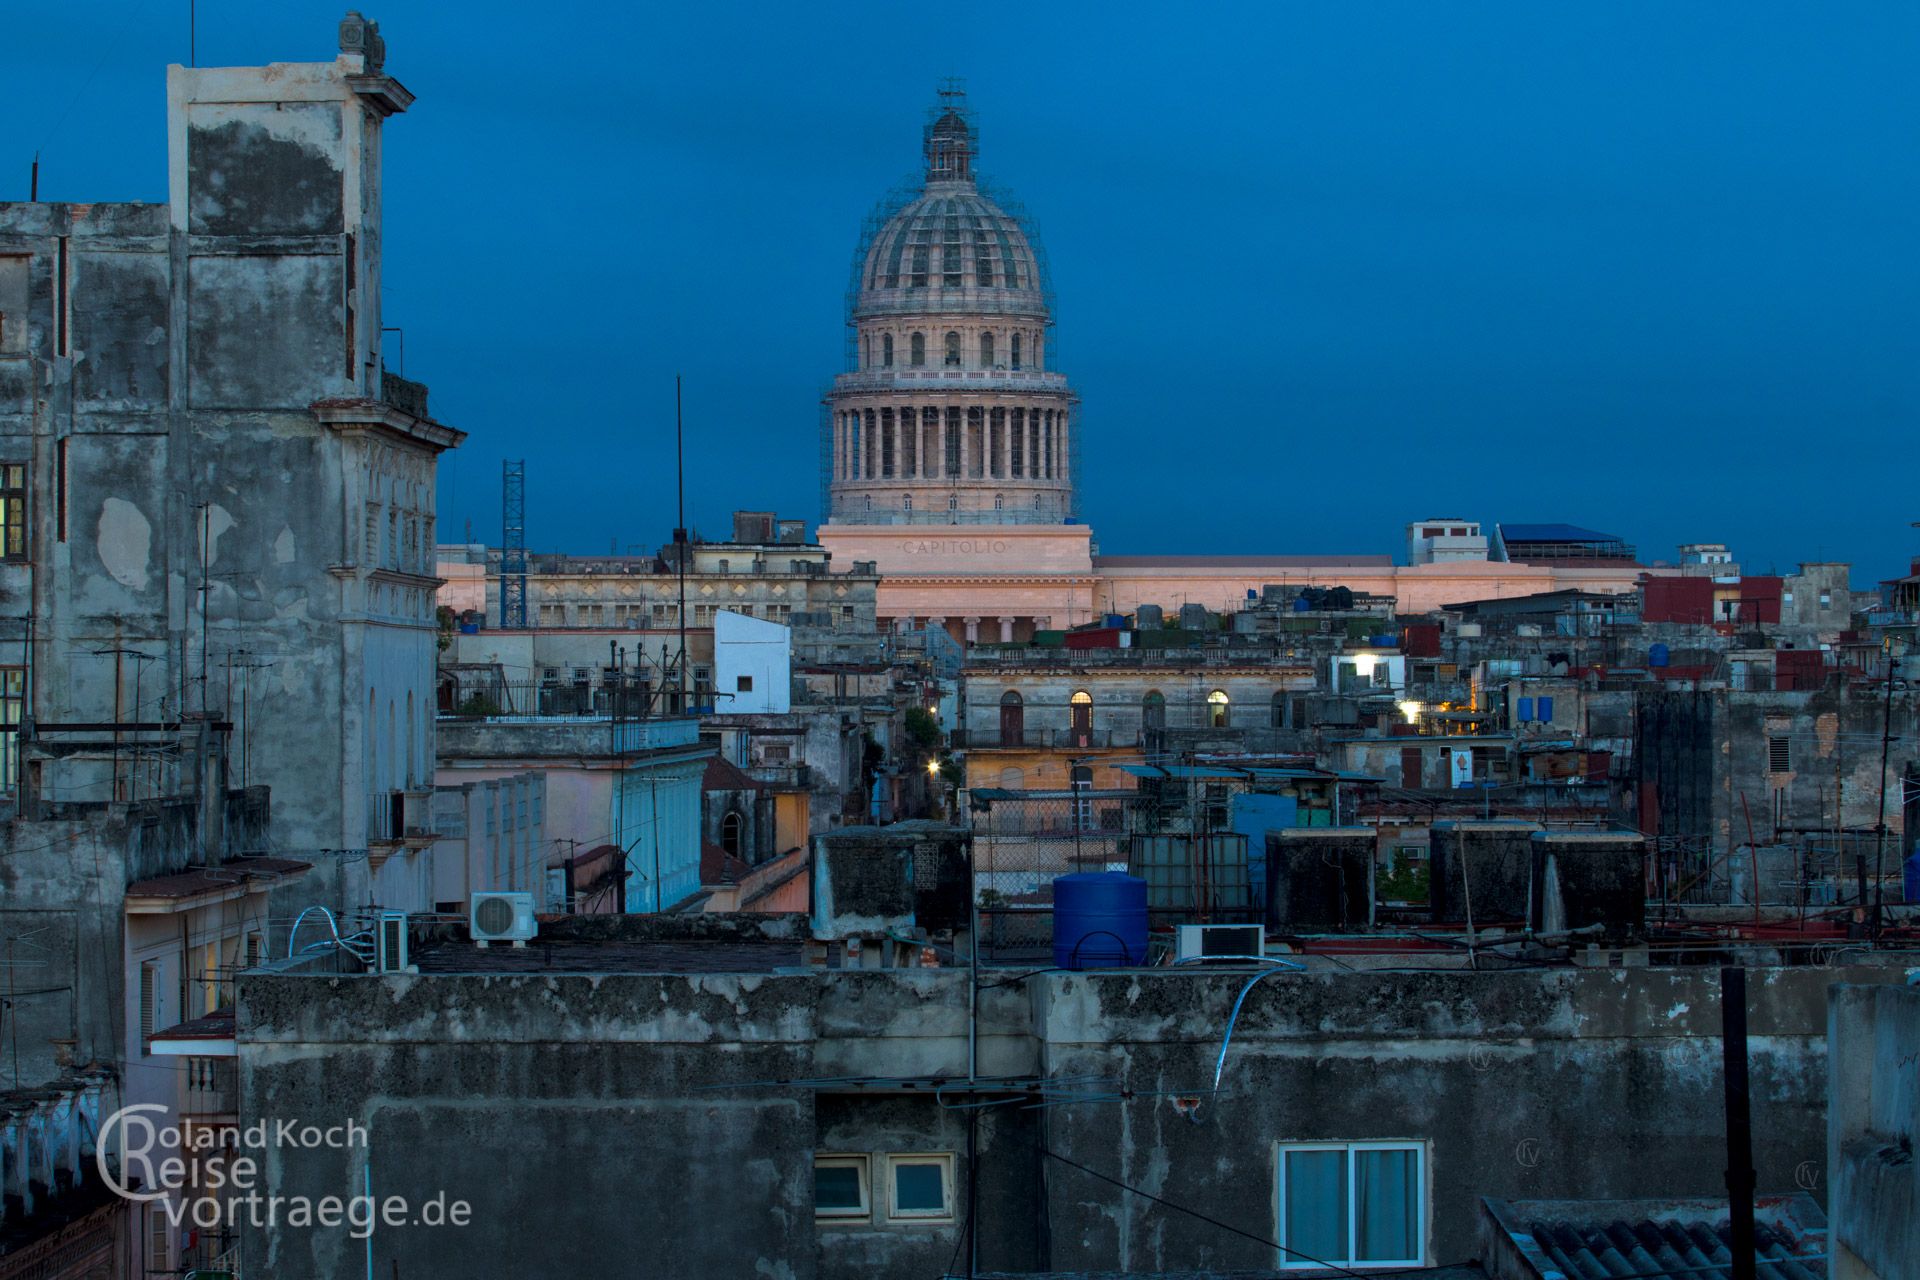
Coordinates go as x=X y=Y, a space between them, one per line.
x=1386 y=1205
x=1316 y=1205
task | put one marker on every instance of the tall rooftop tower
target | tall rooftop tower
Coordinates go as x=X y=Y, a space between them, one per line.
x=949 y=413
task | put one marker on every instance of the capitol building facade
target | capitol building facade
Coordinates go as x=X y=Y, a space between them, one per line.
x=951 y=445
x=950 y=414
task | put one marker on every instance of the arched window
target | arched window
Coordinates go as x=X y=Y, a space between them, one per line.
x=1280 y=711
x=886 y=351
x=1217 y=709
x=1153 y=710
x=953 y=350
x=953 y=502
x=869 y=502
x=1080 y=723
x=730 y=832
x=906 y=503
x=999 y=502
x=1013 y=359
x=1013 y=720
x=917 y=350
x=1013 y=777
x=986 y=351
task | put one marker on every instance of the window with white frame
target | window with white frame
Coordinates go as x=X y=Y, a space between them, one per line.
x=840 y=1186
x=1357 y=1204
x=920 y=1187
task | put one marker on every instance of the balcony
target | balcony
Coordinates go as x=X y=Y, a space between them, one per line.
x=212 y=1089
x=400 y=817
x=790 y=775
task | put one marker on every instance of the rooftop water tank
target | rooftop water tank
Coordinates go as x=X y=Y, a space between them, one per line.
x=1099 y=920
x=1657 y=655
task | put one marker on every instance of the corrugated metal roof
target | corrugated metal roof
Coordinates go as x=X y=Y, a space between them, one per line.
x=1680 y=1239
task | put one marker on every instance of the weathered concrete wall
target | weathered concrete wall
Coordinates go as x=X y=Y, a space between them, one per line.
x=1873 y=1054
x=1571 y=1084
x=164 y=372
x=645 y=1101
x=1705 y=761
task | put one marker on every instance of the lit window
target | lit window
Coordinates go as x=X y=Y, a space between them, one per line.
x=13 y=511
x=1352 y=1204
x=840 y=1187
x=920 y=1187
x=1217 y=709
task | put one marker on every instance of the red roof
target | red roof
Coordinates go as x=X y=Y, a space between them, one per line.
x=724 y=775
x=717 y=866
x=199 y=880
x=217 y=1025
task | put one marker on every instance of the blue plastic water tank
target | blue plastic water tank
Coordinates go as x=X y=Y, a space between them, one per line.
x=1657 y=655
x=1099 y=920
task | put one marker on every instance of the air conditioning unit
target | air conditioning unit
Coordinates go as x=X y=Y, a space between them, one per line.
x=390 y=944
x=502 y=917
x=1220 y=941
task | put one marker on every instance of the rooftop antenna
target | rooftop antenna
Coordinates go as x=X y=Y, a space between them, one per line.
x=33 y=186
x=680 y=533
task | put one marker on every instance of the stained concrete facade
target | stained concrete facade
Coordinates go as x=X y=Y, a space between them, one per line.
x=220 y=479
x=674 y=1083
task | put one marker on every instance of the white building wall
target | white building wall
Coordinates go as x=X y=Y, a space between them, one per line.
x=753 y=664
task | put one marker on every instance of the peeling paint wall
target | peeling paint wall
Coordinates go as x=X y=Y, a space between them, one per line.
x=163 y=376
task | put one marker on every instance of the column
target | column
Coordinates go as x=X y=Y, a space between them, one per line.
x=973 y=630
x=1006 y=630
x=840 y=445
x=1066 y=455
x=1036 y=465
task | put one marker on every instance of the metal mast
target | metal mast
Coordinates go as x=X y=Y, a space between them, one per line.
x=513 y=545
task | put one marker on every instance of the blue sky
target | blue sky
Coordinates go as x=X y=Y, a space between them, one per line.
x=1321 y=269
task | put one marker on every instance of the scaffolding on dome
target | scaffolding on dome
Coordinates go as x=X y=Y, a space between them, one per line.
x=883 y=213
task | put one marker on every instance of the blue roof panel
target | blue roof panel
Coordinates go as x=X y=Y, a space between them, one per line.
x=1552 y=533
